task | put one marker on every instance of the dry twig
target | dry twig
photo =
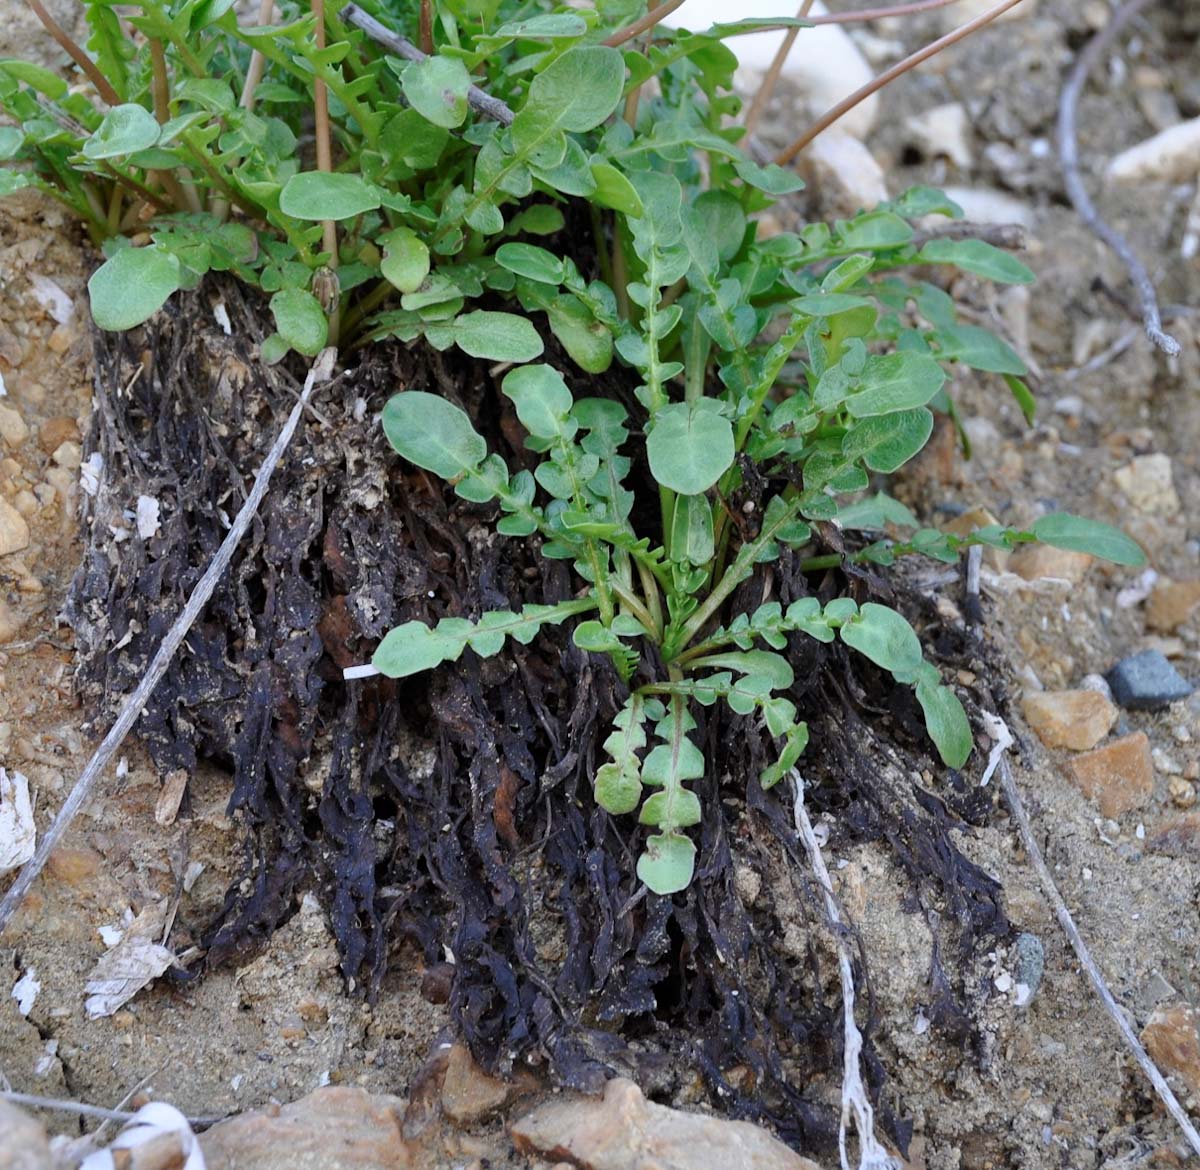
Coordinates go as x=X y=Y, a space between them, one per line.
x=1003 y=740
x=1068 y=156
x=772 y=78
x=320 y=372
x=888 y=75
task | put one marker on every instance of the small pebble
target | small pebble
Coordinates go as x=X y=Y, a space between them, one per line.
x=1146 y=682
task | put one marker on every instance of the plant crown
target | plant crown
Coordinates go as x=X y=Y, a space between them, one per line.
x=805 y=361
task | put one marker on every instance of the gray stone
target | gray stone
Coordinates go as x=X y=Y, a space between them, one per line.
x=1031 y=962
x=1147 y=682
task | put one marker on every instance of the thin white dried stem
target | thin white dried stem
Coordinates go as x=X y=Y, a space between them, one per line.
x=1068 y=156
x=855 y=1102
x=320 y=372
x=1050 y=890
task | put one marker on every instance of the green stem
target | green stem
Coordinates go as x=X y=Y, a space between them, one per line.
x=737 y=572
x=630 y=600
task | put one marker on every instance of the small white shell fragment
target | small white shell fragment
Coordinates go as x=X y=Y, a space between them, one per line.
x=53 y=298
x=25 y=991
x=221 y=316
x=18 y=833
x=89 y=473
x=149 y=1123
x=148 y=522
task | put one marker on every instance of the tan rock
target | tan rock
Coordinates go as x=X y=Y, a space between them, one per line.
x=68 y=455
x=1171 y=604
x=56 y=431
x=624 y=1131
x=1172 y=1037
x=12 y=426
x=468 y=1093
x=1148 y=484
x=24 y=1145
x=1070 y=719
x=1032 y=561
x=1117 y=777
x=14 y=532
x=74 y=866
x=330 y=1129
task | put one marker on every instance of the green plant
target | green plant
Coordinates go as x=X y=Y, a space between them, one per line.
x=772 y=375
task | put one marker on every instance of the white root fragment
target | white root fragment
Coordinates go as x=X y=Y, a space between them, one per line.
x=855 y=1102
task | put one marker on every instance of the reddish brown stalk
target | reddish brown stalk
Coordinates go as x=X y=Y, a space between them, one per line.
x=772 y=78
x=865 y=14
x=653 y=17
x=426 y=27
x=901 y=67
x=324 y=144
x=103 y=88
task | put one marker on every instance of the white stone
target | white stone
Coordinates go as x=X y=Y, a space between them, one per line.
x=942 y=132
x=843 y=173
x=825 y=65
x=1172 y=156
x=985 y=205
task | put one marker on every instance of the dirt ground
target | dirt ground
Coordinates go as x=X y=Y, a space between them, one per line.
x=1048 y=1085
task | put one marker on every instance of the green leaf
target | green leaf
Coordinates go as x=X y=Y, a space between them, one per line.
x=35 y=76
x=772 y=179
x=132 y=285
x=668 y=863
x=691 y=446
x=946 y=722
x=876 y=512
x=498 y=337
x=883 y=636
x=978 y=257
x=437 y=89
x=575 y=92
x=894 y=382
x=692 y=530
x=11 y=140
x=614 y=190
x=542 y=401
x=1024 y=397
x=315 y=195
x=774 y=668
x=13 y=181
x=888 y=442
x=589 y=343
x=1077 y=534
x=415 y=647
x=300 y=320
x=978 y=348
x=532 y=262
x=433 y=433
x=405 y=262
x=125 y=130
